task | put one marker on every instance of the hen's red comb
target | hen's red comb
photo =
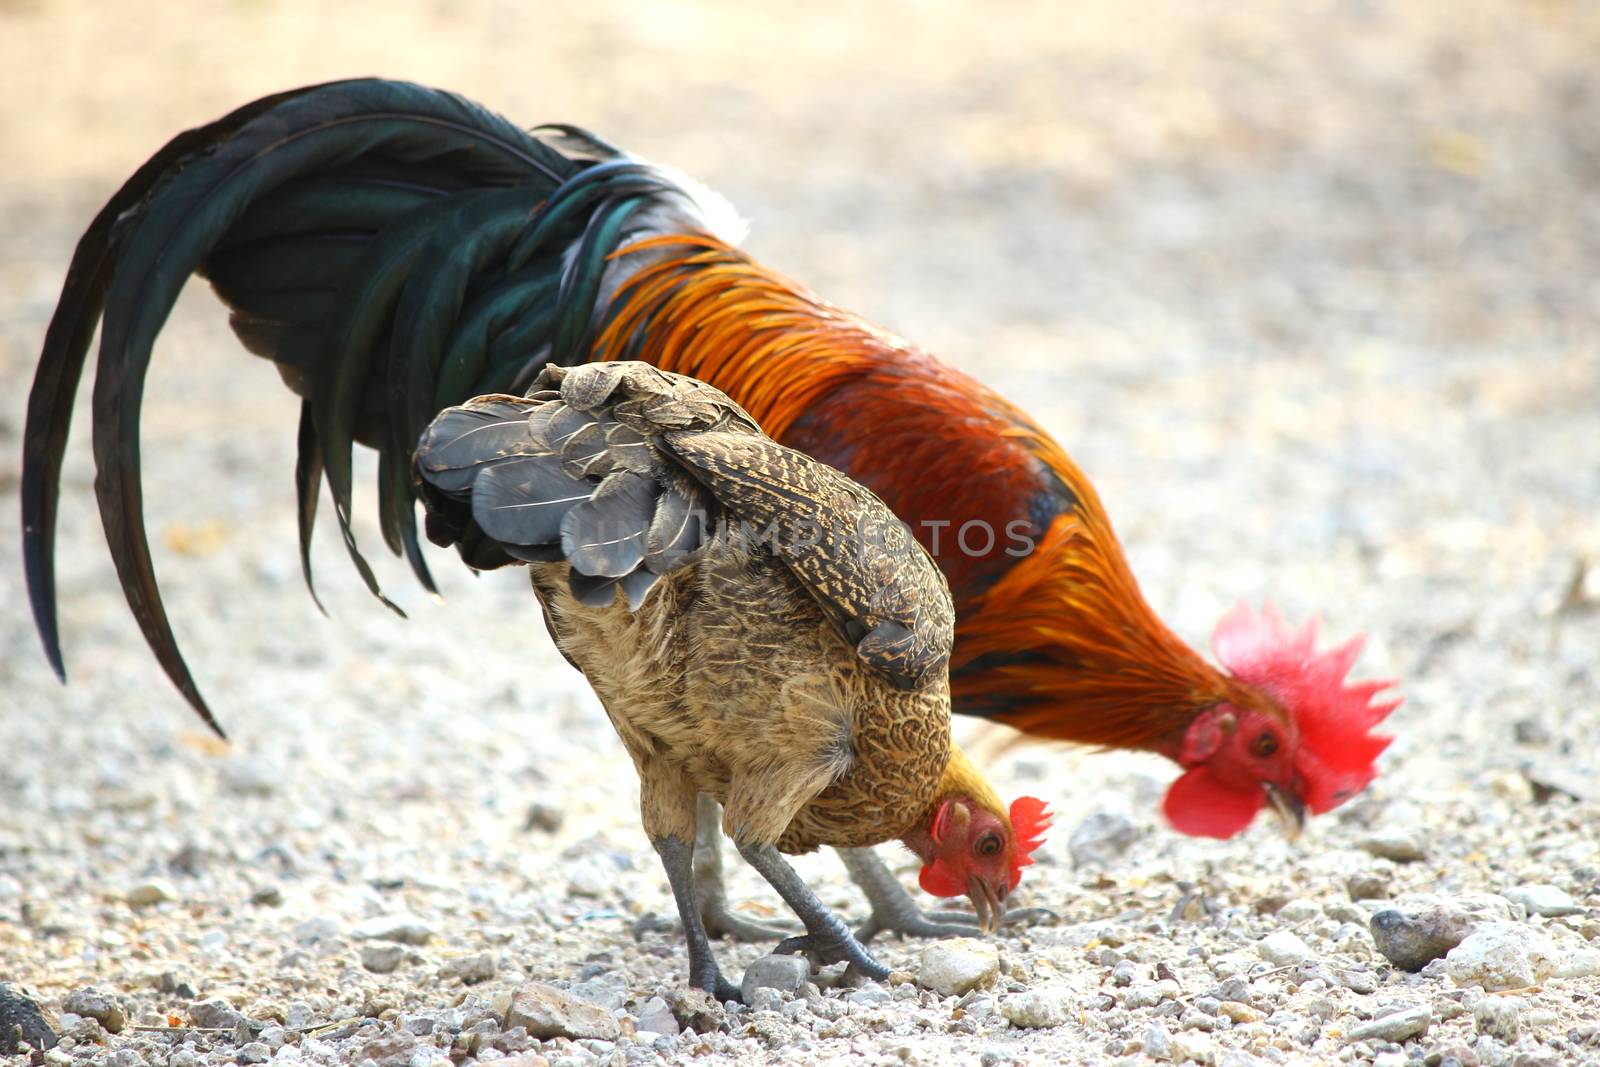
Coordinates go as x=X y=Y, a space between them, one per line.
x=1337 y=751
x=1029 y=820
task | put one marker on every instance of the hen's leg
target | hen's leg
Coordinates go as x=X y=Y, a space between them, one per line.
x=721 y=920
x=894 y=911
x=677 y=856
x=827 y=939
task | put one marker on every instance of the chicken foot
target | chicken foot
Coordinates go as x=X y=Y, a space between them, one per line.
x=710 y=892
x=677 y=856
x=894 y=910
x=827 y=939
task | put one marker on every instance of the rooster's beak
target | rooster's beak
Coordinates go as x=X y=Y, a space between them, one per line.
x=988 y=903
x=1290 y=810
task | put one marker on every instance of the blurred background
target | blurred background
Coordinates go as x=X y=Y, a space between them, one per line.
x=1310 y=290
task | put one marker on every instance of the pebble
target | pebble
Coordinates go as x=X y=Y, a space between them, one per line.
x=468 y=970
x=383 y=957
x=655 y=1017
x=1544 y=899
x=320 y=928
x=214 y=1013
x=547 y=1011
x=587 y=878
x=1402 y=846
x=101 y=1007
x=21 y=1018
x=155 y=891
x=1239 y=1013
x=1157 y=1042
x=1283 y=948
x=1037 y=1009
x=1369 y=886
x=1502 y=955
x=1299 y=910
x=781 y=973
x=958 y=965
x=1101 y=839
x=406 y=929
x=1499 y=1017
x=1396 y=1026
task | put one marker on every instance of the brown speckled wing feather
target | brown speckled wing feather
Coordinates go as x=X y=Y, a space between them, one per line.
x=860 y=562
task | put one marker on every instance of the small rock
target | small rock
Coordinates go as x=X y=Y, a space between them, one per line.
x=468 y=970
x=1361 y=982
x=1283 y=948
x=249 y=778
x=253 y=1052
x=1124 y=974
x=320 y=928
x=1299 y=910
x=267 y=896
x=1499 y=1017
x=215 y=1014
x=1502 y=955
x=406 y=929
x=1100 y=839
x=587 y=878
x=1543 y=899
x=783 y=973
x=1396 y=1026
x=1157 y=1042
x=696 y=1010
x=958 y=965
x=383 y=957
x=22 y=1021
x=655 y=1017
x=872 y=995
x=1368 y=886
x=1399 y=845
x=546 y=818
x=546 y=1011
x=155 y=891
x=101 y=1007
x=1239 y=1013
x=1038 y=1009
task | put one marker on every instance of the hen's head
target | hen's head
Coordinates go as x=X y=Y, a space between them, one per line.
x=1297 y=735
x=972 y=846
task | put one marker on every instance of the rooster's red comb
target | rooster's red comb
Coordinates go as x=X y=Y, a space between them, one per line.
x=1029 y=820
x=1337 y=748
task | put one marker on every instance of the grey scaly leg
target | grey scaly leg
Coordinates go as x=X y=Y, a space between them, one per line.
x=827 y=939
x=721 y=920
x=677 y=856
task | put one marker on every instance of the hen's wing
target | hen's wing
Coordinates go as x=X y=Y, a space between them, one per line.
x=622 y=470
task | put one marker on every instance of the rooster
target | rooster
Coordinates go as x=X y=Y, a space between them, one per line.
x=395 y=250
x=669 y=542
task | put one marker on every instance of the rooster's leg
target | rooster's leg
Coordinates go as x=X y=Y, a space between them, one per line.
x=827 y=939
x=721 y=920
x=894 y=911
x=677 y=856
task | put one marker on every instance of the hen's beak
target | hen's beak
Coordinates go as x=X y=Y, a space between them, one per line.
x=1290 y=810
x=989 y=904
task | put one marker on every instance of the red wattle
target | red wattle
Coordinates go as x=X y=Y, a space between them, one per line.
x=1199 y=805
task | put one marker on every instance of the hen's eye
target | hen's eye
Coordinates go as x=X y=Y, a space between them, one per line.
x=988 y=844
x=1265 y=745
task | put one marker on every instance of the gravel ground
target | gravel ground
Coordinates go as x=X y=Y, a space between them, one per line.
x=1308 y=289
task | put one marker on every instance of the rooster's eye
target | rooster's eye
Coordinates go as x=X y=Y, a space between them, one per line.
x=988 y=844
x=1265 y=745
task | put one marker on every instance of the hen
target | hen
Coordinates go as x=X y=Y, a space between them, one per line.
x=759 y=628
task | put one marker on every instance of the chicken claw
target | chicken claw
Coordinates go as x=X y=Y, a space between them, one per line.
x=894 y=911
x=827 y=939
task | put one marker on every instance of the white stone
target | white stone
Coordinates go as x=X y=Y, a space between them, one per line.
x=1283 y=948
x=1396 y=1026
x=1037 y=1009
x=780 y=973
x=958 y=965
x=155 y=891
x=1543 y=899
x=1499 y=1017
x=1502 y=955
x=406 y=929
